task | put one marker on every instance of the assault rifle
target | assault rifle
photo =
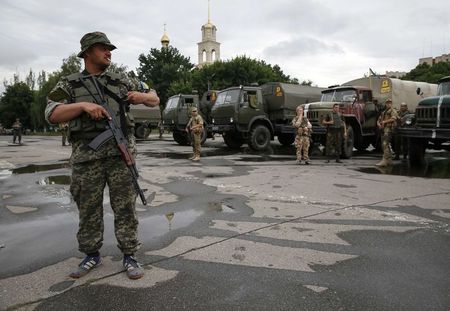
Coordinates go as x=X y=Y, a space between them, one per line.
x=113 y=131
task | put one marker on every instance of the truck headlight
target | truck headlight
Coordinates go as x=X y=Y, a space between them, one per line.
x=231 y=120
x=408 y=121
x=213 y=120
x=172 y=122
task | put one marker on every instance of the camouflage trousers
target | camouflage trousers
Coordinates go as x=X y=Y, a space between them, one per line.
x=302 y=144
x=386 y=145
x=334 y=142
x=197 y=143
x=88 y=183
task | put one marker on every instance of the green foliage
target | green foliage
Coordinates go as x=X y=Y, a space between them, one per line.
x=15 y=103
x=241 y=70
x=162 y=67
x=427 y=73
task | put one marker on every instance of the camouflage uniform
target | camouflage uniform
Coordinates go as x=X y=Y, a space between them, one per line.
x=400 y=142
x=17 y=131
x=64 y=127
x=388 y=130
x=334 y=134
x=302 y=138
x=196 y=135
x=92 y=169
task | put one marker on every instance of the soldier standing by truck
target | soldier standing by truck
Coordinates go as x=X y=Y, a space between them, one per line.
x=401 y=143
x=386 y=123
x=303 y=131
x=336 y=131
x=195 y=127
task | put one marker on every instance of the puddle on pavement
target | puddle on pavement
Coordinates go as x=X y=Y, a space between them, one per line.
x=52 y=180
x=435 y=168
x=32 y=168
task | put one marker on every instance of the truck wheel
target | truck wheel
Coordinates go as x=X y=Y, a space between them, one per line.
x=233 y=141
x=204 y=134
x=286 y=139
x=416 y=151
x=142 y=131
x=347 y=148
x=181 y=138
x=259 y=138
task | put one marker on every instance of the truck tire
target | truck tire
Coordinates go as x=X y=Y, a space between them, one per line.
x=142 y=131
x=233 y=141
x=181 y=138
x=416 y=151
x=259 y=138
x=348 y=144
x=286 y=139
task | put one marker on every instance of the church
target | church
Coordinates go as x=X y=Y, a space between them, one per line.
x=208 y=48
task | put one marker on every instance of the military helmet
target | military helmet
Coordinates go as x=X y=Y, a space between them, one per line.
x=92 y=38
x=194 y=109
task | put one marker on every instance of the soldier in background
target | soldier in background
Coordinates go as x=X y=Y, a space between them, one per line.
x=386 y=123
x=336 y=131
x=93 y=169
x=195 y=127
x=64 y=128
x=303 y=134
x=17 y=131
x=401 y=143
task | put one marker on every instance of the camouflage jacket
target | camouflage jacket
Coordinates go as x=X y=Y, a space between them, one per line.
x=196 y=121
x=302 y=125
x=388 y=115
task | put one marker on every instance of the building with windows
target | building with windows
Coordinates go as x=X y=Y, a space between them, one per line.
x=434 y=60
x=208 y=48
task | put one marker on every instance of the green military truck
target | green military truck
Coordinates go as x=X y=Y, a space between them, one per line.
x=429 y=126
x=361 y=102
x=176 y=114
x=256 y=114
x=145 y=118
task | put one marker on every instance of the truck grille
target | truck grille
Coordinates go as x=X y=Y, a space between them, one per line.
x=312 y=115
x=427 y=117
x=220 y=121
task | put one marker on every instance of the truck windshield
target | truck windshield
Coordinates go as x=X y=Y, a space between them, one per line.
x=444 y=88
x=227 y=97
x=339 y=96
x=172 y=103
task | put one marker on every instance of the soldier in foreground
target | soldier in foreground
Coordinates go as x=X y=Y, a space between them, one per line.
x=303 y=133
x=386 y=123
x=336 y=132
x=195 y=127
x=73 y=100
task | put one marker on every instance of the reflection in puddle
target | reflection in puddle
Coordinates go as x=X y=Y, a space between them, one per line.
x=51 y=180
x=433 y=169
x=220 y=207
x=32 y=168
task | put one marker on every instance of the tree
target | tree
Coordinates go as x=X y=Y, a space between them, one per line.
x=15 y=103
x=241 y=70
x=427 y=73
x=162 y=67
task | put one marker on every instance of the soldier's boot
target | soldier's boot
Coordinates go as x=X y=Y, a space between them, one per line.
x=133 y=267
x=191 y=157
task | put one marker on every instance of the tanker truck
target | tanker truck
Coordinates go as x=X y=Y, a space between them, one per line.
x=429 y=126
x=256 y=114
x=145 y=119
x=361 y=102
x=176 y=114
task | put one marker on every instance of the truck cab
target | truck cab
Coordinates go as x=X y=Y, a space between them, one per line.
x=359 y=109
x=429 y=127
x=176 y=115
x=145 y=119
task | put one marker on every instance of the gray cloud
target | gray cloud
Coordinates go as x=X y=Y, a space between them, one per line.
x=302 y=46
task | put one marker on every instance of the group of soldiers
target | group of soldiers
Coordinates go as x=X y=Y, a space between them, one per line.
x=387 y=122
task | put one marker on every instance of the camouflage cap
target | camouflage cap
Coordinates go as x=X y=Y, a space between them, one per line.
x=194 y=109
x=403 y=104
x=388 y=101
x=92 y=38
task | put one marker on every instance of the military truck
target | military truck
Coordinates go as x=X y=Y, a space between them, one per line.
x=145 y=118
x=361 y=102
x=429 y=126
x=256 y=114
x=177 y=113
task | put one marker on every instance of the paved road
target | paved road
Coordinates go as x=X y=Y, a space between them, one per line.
x=236 y=231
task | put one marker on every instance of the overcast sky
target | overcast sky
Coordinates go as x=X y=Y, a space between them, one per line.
x=326 y=41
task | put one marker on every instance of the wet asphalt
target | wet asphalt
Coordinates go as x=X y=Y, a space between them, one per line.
x=237 y=231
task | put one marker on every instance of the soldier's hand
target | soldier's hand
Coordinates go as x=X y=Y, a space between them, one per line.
x=135 y=98
x=96 y=112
